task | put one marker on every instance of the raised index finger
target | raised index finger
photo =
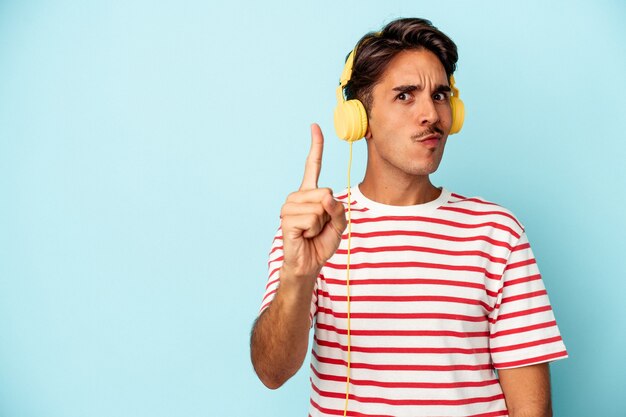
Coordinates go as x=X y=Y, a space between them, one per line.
x=313 y=164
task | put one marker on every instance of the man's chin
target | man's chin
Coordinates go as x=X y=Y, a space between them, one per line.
x=426 y=169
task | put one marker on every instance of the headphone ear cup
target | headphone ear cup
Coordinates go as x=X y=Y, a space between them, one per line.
x=458 y=114
x=350 y=120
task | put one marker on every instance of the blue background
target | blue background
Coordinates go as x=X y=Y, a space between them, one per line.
x=146 y=148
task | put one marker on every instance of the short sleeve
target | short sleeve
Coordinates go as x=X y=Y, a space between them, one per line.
x=274 y=264
x=523 y=330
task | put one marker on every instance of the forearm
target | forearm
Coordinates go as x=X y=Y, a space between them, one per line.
x=280 y=337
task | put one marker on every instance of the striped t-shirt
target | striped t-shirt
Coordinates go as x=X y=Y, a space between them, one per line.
x=441 y=295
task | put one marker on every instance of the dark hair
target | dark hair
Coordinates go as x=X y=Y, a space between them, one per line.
x=376 y=49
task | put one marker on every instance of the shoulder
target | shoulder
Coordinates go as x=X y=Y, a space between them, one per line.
x=478 y=209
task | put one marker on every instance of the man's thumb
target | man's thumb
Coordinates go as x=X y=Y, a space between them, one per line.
x=337 y=213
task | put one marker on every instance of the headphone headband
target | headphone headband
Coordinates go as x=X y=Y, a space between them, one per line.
x=346 y=74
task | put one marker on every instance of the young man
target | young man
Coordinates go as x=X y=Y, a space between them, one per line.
x=444 y=290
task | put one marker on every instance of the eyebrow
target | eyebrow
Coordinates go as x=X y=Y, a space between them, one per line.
x=441 y=88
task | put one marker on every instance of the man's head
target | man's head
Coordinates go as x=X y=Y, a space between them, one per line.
x=376 y=49
x=401 y=75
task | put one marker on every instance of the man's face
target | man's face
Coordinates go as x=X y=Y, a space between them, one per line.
x=410 y=117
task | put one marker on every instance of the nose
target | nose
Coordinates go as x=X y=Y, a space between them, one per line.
x=427 y=113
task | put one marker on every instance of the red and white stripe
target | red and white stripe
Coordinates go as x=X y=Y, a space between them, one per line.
x=442 y=294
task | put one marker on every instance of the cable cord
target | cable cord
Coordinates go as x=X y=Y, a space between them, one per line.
x=345 y=410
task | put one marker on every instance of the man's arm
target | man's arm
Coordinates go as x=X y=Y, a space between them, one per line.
x=280 y=336
x=527 y=390
x=312 y=223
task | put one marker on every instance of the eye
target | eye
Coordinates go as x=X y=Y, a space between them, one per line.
x=404 y=96
x=440 y=96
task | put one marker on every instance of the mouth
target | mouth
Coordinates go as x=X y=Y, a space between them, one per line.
x=430 y=140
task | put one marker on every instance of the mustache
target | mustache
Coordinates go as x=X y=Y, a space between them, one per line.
x=430 y=131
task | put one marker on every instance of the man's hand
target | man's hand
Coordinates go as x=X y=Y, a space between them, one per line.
x=312 y=221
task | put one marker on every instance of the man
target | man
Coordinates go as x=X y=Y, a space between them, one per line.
x=443 y=290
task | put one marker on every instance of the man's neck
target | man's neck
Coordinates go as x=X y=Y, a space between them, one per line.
x=399 y=191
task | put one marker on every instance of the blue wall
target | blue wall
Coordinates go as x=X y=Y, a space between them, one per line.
x=146 y=148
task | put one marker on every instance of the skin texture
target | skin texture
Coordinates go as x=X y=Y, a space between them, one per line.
x=527 y=390
x=399 y=162
x=409 y=122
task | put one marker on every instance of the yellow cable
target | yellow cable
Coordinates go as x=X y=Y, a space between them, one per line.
x=345 y=410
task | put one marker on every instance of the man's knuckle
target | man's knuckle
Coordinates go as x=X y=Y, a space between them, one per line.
x=291 y=196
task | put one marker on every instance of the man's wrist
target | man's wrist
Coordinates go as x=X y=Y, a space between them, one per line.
x=294 y=287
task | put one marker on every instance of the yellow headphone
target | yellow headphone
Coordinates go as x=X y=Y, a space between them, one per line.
x=350 y=116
